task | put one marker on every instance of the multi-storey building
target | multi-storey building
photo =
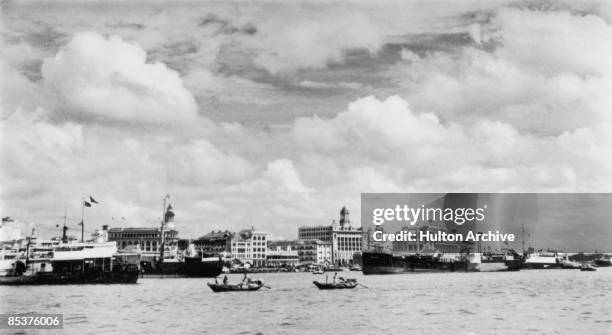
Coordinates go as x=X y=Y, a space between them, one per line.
x=322 y=232
x=215 y=242
x=281 y=257
x=314 y=252
x=146 y=240
x=250 y=246
x=344 y=238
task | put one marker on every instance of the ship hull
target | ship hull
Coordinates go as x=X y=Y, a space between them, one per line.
x=509 y=265
x=384 y=263
x=118 y=277
x=189 y=267
x=203 y=268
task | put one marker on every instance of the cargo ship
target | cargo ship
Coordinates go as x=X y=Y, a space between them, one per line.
x=439 y=256
x=202 y=265
x=387 y=263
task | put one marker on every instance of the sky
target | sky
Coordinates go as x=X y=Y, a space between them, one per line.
x=274 y=115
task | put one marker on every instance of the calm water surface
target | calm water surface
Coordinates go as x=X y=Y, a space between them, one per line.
x=536 y=302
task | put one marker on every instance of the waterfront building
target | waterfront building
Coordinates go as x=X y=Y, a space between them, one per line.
x=283 y=244
x=143 y=239
x=314 y=252
x=278 y=256
x=321 y=232
x=345 y=239
x=249 y=246
x=215 y=242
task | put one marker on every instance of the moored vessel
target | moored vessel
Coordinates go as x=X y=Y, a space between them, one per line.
x=548 y=260
x=203 y=266
x=603 y=261
x=507 y=260
x=74 y=263
x=175 y=263
x=387 y=263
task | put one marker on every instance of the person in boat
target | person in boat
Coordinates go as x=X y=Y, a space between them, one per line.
x=246 y=279
x=20 y=268
x=225 y=280
x=335 y=274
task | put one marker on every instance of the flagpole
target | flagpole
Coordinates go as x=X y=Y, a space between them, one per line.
x=63 y=233
x=162 y=239
x=83 y=221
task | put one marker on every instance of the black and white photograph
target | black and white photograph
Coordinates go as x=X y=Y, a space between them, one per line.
x=305 y=167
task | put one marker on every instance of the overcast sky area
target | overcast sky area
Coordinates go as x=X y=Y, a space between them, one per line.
x=275 y=115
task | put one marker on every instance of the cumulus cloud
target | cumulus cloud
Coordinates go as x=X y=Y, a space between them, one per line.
x=548 y=72
x=421 y=153
x=16 y=90
x=314 y=39
x=554 y=42
x=111 y=79
x=201 y=163
x=471 y=97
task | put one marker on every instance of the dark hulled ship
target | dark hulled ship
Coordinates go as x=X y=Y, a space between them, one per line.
x=387 y=263
x=206 y=266
x=194 y=264
x=411 y=257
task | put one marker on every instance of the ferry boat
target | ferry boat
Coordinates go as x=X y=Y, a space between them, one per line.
x=72 y=263
x=8 y=258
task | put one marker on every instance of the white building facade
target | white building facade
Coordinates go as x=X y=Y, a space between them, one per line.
x=314 y=252
x=250 y=246
x=282 y=257
x=345 y=239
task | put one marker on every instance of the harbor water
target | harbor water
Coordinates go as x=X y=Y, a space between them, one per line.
x=533 y=301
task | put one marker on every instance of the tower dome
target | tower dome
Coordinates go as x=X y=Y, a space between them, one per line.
x=344 y=217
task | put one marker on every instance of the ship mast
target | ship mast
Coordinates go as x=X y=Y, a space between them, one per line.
x=28 y=246
x=64 y=228
x=163 y=223
x=523 y=236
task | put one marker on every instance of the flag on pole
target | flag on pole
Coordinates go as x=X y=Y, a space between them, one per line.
x=86 y=204
x=92 y=200
x=80 y=223
x=7 y=219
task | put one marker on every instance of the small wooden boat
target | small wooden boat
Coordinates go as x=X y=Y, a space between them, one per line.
x=349 y=283
x=587 y=267
x=252 y=286
x=318 y=272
